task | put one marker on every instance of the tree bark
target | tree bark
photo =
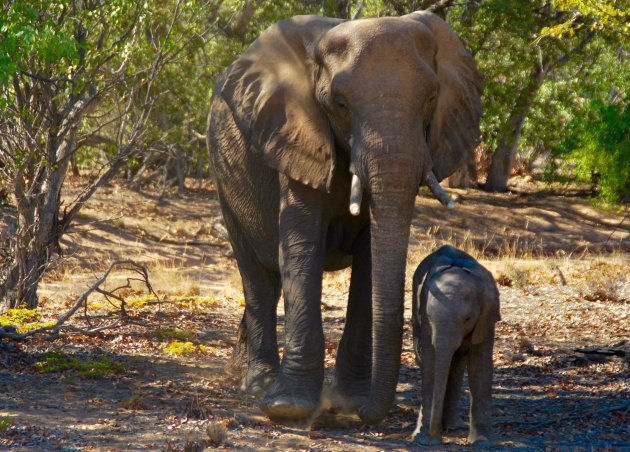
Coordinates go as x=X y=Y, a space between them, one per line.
x=242 y=23
x=38 y=222
x=503 y=157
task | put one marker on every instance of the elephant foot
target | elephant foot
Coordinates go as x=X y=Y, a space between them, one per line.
x=287 y=408
x=291 y=401
x=257 y=381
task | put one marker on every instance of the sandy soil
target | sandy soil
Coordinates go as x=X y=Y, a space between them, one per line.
x=563 y=271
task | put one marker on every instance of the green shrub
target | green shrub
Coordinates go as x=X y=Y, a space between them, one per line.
x=597 y=143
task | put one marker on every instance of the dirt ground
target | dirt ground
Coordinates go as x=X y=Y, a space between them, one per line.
x=562 y=355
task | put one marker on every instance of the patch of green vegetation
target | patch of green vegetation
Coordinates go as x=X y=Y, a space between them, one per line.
x=19 y=316
x=139 y=302
x=24 y=319
x=5 y=424
x=95 y=305
x=58 y=361
x=205 y=301
x=33 y=326
x=174 y=334
x=182 y=348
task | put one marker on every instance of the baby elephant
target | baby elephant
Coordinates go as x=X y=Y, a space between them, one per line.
x=455 y=308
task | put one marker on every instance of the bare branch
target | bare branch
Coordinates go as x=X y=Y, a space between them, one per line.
x=55 y=329
x=93 y=139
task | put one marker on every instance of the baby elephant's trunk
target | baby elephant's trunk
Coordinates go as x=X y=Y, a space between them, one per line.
x=443 y=358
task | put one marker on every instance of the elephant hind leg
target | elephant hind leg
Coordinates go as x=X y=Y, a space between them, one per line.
x=480 y=379
x=262 y=291
x=237 y=363
x=353 y=367
x=256 y=348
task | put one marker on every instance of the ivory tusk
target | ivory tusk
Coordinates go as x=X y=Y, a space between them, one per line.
x=356 y=194
x=438 y=191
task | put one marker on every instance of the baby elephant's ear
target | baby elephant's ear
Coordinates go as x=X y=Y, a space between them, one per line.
x=454 y=130
x=490 y=308
x=270 y=92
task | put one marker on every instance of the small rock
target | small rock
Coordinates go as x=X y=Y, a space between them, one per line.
x=514 y=357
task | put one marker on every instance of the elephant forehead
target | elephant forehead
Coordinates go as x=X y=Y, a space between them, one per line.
x=390 y=36
x=451 y=285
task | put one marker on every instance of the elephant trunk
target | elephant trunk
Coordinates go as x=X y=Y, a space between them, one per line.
x=391 y=190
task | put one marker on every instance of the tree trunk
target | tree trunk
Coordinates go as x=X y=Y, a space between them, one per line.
x=37 y=236
x=9 y=278
x=242 y=23
x=38 y=199
x=503 y=157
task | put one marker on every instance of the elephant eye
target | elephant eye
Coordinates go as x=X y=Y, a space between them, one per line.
x=340 y=102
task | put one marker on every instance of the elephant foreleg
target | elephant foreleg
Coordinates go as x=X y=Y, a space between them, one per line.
x=295 y=393
x=353 y=368
x=451 y=416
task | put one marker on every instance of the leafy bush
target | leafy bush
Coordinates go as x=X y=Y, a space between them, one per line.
x=597 y=143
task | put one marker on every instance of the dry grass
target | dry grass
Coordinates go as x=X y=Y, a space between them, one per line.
x=508 y=246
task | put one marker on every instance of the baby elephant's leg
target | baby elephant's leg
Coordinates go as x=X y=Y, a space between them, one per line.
x=480 y=379
x=452 y=419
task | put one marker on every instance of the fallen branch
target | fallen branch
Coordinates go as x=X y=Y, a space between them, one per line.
x=54 y=330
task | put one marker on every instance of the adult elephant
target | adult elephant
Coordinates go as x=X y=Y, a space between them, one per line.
x=318 y=114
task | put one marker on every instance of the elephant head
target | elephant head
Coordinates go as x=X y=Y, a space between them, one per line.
x=393 y=101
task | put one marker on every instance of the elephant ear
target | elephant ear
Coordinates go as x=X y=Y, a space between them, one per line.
x=454 y=128
x=490 y=306
x=270 y=91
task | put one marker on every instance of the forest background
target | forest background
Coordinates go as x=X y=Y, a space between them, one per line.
x=123 y=86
